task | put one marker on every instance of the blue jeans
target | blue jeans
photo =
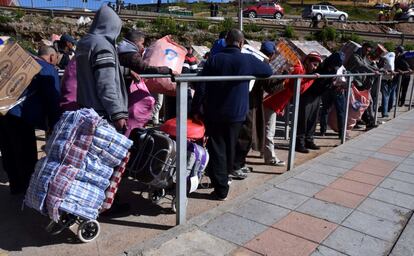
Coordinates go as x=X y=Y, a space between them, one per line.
x=333 y=97
x=388 y=88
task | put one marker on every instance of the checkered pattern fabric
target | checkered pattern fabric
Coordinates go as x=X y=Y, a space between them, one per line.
x=113 y=188
x=80 y=156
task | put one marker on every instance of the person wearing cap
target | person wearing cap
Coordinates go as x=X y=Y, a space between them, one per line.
x=401 y=65
x=360 y=62
x=308 y=106
x=252 y=133
x=225 y=105
x=66 y=48
x=269 y=87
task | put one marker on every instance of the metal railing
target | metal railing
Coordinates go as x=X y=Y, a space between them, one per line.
x=181 y=109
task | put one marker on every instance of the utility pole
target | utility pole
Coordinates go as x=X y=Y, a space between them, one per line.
x=32 y=3
x=241 y=15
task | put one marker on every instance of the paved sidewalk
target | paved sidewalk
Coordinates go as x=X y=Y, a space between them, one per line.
x=354 y=200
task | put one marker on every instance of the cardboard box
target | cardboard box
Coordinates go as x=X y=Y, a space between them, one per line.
x=253 y=51
x=200 y=51
x=348 y=49
x=285 y=59
x=303 y=48
x=17 y=69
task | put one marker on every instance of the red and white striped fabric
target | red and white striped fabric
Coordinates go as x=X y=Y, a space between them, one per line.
x=113 y=187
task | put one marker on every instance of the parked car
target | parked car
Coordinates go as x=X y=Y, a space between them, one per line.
x=382 y=6
x=324 y=11
x=406 y=16
x=264 y=9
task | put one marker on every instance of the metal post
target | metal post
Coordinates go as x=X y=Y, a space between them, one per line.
x=292 y=146
x=347 y=95
x=377 y=99
x=241 y=15
x=287 y=115
x=412 y=91
x=397 y=96
x=181 y=163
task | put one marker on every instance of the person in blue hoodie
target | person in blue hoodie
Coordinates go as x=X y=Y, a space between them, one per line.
x=225 y=106
x=39 y=110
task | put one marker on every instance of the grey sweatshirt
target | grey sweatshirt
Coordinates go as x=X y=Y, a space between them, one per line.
x=100 y=84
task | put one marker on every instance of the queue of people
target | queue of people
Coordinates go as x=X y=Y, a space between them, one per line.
x=98 y=74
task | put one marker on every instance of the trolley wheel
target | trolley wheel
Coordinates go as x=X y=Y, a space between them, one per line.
x=54 y=228
x=88 y=231
x=67 y=220
x=156 y=195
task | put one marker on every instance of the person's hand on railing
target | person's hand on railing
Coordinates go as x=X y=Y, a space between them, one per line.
x=317 y=75
x=377 y=72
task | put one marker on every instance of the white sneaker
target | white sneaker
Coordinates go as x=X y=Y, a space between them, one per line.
x=276 y=162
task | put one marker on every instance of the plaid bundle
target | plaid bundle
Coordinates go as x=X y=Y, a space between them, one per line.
x=113 y=188
x=80 y=158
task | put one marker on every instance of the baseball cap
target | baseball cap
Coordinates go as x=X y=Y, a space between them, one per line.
x=268 y=47
x=67 y=38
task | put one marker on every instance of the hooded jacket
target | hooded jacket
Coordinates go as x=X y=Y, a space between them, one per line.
x=359 y=64
x=100 y=83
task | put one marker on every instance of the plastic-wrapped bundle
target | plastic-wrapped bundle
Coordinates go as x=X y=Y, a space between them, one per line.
x=75 y=174
x=39 y=183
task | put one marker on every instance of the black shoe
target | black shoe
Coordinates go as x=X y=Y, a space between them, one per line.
x=302 y=149
x=312 y=145
x=238 y=174
x=322 y=133
x=215 y=196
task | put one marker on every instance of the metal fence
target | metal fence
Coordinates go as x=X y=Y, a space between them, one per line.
x=181 y=109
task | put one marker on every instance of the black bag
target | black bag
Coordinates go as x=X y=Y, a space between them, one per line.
x=152 y=159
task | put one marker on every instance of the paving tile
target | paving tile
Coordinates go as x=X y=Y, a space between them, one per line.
x=406 y=146
x=243 y=252
x=355 y=243
x=325 y=251
x=398 y=186
x=328 y=170
x=393 y=197
x=267 y=215
x=324 y=210
x=278 y=243
x=402 y=176
x=373 y=226
x=339 y=197
x=383 y=210
x=363 y=177
x=388 y=157
x=371 y=169
x=353 y=150
x=345 y=156
x=300 y=187
x=305 y=226
x=317 y=178
x=233 y=228
x=409 y=161
x=282 y=198
x=405 y=168
x=404 y=245
x=381 y=163
x=351 y=186
x=337 y=163
x=393 y=151
x=194 y=243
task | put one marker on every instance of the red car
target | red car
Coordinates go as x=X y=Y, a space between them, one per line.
x=264 y=9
